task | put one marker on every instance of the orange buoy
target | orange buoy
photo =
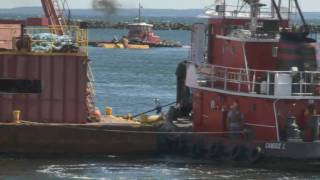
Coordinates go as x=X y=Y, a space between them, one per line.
x=96 y=113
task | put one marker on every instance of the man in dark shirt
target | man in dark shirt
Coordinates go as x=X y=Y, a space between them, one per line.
x=158 y=106
x=235 y=120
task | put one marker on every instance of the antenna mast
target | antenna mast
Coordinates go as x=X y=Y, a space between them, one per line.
x=300 y=13
x=139 y=18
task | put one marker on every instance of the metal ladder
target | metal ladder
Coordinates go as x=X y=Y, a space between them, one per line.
x=91 y=93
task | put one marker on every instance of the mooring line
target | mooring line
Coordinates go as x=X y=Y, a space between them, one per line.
x=154 y=109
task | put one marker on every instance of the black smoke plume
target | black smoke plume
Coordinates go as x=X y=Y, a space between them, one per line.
x=107 y=6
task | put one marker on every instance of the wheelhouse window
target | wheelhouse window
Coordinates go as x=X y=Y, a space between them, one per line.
x=20 y=86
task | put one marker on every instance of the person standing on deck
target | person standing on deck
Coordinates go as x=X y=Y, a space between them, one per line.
x=158 y=106
x=235 y=119
x=307 y=125
x=125 y=42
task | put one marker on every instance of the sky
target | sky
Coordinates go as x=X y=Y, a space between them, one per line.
x=307 y=5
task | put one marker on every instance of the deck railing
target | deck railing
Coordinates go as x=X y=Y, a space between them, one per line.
x=260 y=82
x=44 y=40
x=242 y=11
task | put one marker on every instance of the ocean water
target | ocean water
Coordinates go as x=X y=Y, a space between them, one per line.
x=120 y=168
x=128 y=81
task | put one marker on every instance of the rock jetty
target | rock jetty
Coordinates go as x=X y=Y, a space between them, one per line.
x=96 y=24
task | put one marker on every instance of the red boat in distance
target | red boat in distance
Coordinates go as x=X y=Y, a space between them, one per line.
x=142 y=32
x=255 y=83
x=141 y=35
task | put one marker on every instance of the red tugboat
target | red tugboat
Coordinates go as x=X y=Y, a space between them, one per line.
x=143 y=33
x=140 y=36
x=256 y=86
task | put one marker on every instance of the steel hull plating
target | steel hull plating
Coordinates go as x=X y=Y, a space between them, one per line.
x=49 y=139
x=241 y=151
x=63 y=80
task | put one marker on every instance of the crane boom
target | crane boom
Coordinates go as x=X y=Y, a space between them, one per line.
x=54 y=14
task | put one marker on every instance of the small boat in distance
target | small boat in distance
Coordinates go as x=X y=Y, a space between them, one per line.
x=142 y=32
x=140 y=36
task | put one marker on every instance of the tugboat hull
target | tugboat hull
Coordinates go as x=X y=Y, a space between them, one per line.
x=248 y=152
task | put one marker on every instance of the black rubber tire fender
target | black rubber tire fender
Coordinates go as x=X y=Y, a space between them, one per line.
x=255 y=154
x=198 y=150
x=216 y=150
x=237 y=152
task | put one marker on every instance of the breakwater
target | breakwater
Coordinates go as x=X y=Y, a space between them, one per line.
x=96 y=24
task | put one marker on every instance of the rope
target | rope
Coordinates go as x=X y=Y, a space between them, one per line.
x=154 y=109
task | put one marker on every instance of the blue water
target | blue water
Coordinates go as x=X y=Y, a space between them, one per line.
x=130 y=80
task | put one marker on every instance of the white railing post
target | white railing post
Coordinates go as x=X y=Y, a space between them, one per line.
x=312 y=78
x=225 y=79
x=253 y=87
x=239 y=80
x=268 y=83
x=300 y=84
x=212 y=77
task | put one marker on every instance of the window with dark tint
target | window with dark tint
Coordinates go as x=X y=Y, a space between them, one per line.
x=20 y=86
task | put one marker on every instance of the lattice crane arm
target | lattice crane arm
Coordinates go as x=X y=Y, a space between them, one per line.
x=54 y=13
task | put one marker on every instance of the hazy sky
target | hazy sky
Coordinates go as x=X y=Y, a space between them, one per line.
x=307 y=5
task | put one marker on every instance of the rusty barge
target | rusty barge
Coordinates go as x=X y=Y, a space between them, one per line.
x=47 y=93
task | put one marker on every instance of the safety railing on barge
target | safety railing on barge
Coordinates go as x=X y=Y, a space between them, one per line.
x=260 y=82
x=43 y=39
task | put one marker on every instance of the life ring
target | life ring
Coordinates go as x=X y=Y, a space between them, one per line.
x=216 y=150
x=237 y=152
x=255 y=154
